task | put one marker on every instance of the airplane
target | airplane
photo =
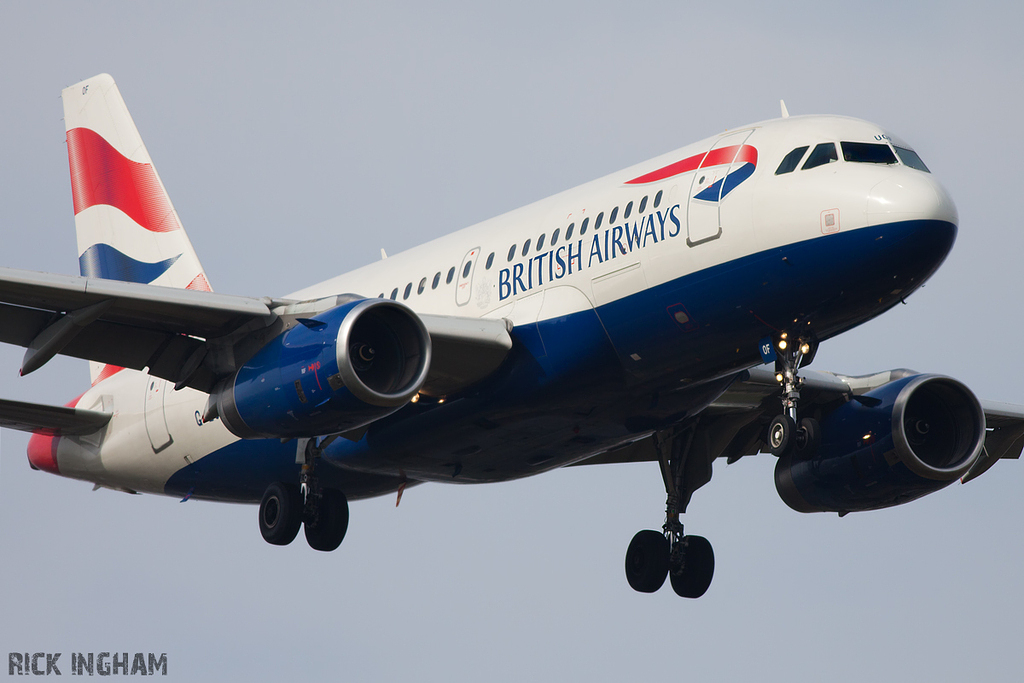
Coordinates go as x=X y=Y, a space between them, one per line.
x=663 y=313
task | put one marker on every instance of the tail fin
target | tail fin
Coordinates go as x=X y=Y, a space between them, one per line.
x=127 y=228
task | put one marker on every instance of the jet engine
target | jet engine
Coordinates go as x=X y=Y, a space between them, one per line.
x=898 y=442
x=335 y=372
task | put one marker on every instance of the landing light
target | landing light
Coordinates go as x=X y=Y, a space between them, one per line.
x=783 y=344
x=867 y=437
x=415 y=399
x=778 y=377
x=805 y=348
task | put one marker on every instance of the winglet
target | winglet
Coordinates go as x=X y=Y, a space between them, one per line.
x=785 y=112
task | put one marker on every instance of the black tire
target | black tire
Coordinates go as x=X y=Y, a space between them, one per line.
x=780 y=435
x=280 y=513
x=331 y=523
x=647 y=561
x=808 y=436
x=695 y=578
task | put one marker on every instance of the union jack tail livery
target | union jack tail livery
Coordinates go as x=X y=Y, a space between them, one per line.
x=127 y=228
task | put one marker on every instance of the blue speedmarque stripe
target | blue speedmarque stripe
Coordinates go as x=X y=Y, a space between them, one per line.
x=104 y=261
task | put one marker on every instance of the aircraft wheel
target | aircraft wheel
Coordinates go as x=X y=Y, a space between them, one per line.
x=780 y=435
x=808 y=436
x=331 y=523
x=695 y=578
x=647 y=561
x=280 y=513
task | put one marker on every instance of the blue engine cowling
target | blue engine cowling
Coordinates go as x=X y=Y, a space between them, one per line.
x=901 y=441
x=342 y=370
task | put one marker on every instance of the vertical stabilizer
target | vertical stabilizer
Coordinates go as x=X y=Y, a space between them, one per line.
x=127 y=228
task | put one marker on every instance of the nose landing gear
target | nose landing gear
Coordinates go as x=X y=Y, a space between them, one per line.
x=787 y=433
x=687 y=561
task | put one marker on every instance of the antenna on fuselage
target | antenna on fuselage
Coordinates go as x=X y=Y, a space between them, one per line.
x=785 y=112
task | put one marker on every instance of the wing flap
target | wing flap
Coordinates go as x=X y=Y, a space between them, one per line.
x=50 y=420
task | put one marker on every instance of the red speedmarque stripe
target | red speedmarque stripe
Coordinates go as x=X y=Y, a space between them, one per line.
x=102 y=175
x=716 y=157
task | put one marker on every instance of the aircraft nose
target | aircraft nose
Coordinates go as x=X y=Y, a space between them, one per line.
x=42 y=453
x=910 y=195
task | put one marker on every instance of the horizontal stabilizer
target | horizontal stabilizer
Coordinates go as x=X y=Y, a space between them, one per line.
x=50 y=420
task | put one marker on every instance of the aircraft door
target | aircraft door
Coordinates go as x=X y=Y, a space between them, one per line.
x=703 y=217
x=464 y=283
x=156 y=421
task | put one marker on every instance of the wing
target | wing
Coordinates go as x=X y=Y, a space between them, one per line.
x=193 y=337
x=735 y=424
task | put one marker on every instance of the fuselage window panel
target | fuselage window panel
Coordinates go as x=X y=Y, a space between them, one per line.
x=465 y=270
x=867 y=153
x=791 y=160
x=568 y=231
x=554 y=236
x=824 y=153
x=643 y=205
x=490 y=261
x=422 y=286
x=629 y=210
x=408 y=291
x=657 y=199
x=437 y=280
x=511 y=253
x=526 y=247
x=540 y=242
x=451 y=275
x=583 y=226
x=910 y=158
x=613 y=215
x=394 y=293
x=597 y=223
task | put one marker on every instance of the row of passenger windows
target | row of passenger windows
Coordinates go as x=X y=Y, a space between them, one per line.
x=422 y=286
x=584 y=226
x=856 y=152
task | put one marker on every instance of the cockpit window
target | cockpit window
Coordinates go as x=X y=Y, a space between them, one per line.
x=822 y=154
x=867 y=153
x=909 y=158
x=791 y=161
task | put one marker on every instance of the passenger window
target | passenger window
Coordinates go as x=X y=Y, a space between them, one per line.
x=422 y=286
x=909 y=158
x=597 y=223
x=490 y=261
x=791 y=160
x=526 y=247
x=554 y=236
x=540 y=243
x=568 y=231
x=381 y=295
x=437 y=279
x=643 y=205
x=583 y=226
x=408 y=291
x=511 y=253
x=394 y=293
x=822 y=154
x=629 y=210
x=614 y=213
x=867 y=153
x=465 y=271
x=451 y=274
x=657 y=199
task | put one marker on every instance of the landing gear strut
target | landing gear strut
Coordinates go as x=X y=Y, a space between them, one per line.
x=286 y=507
x=687 y=561
x=788 y=433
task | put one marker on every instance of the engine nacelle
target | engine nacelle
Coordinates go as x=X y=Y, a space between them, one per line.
x=901 y=441
x=342 y=370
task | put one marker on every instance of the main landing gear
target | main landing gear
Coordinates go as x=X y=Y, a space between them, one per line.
x=786 y=433
x=687 y=561
x=286 y=507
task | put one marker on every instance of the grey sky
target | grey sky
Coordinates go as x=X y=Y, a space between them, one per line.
x=295 y=143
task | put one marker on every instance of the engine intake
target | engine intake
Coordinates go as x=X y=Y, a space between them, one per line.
x=341 y=370
x=901 y=441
